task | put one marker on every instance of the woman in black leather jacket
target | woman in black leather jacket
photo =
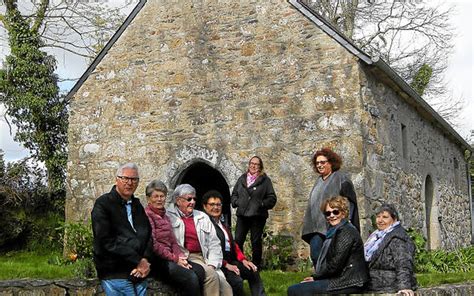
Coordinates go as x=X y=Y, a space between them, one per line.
x=340 y=267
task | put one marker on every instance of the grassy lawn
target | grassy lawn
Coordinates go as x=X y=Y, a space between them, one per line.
x=23 y=264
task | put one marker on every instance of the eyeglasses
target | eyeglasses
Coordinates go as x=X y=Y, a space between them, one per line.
x=322 y=162
x=214 y=205
x=126 y=179
x=188 y=199
x=255 y=164
x=334 y=212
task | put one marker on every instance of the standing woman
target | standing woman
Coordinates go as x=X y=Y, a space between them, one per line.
x=253 y=196
x=331 y=182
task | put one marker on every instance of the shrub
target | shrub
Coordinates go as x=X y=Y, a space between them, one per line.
x=78 y=248
x=78 y=240
x=461 y=260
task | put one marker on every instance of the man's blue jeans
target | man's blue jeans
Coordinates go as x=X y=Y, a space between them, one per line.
x=124 y=287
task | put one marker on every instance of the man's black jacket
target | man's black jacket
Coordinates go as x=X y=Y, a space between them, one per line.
x=118 y=248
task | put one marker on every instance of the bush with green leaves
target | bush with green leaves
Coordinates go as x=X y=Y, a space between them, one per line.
x=277 y=251
x=461 y=260
x=78 y=246
x=78 y=239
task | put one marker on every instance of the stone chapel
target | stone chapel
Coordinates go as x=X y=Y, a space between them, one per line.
x=190 y=90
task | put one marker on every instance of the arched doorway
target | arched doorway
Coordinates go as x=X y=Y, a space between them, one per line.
x=203 y=178
x=432 y=223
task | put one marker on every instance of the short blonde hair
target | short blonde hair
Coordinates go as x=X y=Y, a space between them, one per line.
x=337 y=202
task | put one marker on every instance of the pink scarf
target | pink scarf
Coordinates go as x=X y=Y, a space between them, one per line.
x=251 y=179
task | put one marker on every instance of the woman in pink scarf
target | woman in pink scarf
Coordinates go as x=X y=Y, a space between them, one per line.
x=253 y=196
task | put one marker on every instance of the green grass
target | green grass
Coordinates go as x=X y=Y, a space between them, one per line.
x=435 y=279
x=277 y=282
x=25 y=264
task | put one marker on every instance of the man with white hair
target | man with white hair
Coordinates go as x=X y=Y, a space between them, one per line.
x=122 y=234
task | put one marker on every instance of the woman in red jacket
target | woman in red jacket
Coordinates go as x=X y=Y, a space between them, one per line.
x=170 y=264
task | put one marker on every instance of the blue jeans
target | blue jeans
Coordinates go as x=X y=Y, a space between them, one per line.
x=315 y=245
x=309 y=288
x=123 y=287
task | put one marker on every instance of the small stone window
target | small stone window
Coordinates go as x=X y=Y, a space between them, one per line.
x=404 y=141
x=456 y=173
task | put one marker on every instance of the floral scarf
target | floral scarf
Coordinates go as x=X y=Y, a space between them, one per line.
x=375 y=239
x=251 y=179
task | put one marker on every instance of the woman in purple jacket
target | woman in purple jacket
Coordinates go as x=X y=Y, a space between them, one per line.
x=170 y=264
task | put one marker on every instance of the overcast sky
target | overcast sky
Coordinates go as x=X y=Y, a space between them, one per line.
x=459 y=76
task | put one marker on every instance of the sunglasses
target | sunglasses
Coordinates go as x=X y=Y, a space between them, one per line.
x=334 y=212
x=188 y=199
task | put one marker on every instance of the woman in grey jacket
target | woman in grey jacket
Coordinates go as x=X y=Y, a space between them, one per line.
x=331 y=182
x=389 y=252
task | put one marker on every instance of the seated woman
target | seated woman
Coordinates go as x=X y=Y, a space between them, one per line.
x=234 y=265
x=389 y=252
x=340 y=267
x=171 y=264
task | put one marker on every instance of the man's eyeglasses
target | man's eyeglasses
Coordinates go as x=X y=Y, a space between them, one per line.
x=188 y=199
x=126 y=179
x=322 y=162
x=214 y=205
x=334 y=212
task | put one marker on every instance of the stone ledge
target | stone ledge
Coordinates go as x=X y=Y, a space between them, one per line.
x=36 y=287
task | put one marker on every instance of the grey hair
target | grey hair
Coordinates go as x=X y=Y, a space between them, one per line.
x=128 y=165
x=155 y=185
x=388 y=208
x=183 y=189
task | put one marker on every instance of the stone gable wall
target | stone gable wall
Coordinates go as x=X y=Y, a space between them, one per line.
x=220 y=83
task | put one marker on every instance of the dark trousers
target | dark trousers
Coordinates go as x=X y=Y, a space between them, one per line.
x=255 y=225
x=315 y=245
x=189 y=282
x=318 y=287
x=237 y=284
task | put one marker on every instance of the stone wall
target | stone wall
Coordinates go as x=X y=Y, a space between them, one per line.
x=399 y=174
x=219 y=81
x=92 y=287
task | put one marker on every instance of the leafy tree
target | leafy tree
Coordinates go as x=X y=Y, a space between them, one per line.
x=409 y=35
x=28 y=85
x=29 y=90
x=27 y=215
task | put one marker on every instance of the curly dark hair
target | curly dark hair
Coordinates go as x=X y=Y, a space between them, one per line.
x=333 y=158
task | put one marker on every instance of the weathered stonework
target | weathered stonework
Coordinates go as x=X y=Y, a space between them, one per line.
x=216 y=82
x=155 y=288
